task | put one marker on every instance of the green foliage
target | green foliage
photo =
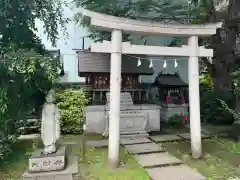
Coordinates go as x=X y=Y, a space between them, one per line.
x=18 y=21
x=206 y=82
x=213 y=109
x=226 y=107
x=176 y=121
x=150 y=9
x=24 y=74
x=236 y=79
x=71 y=104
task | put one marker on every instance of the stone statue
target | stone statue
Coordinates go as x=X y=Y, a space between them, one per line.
x=50 y=127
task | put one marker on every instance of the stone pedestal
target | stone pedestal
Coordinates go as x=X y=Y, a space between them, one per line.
x=39 y=162
x=68 y=173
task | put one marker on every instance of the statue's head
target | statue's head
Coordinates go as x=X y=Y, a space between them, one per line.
x=51 y=96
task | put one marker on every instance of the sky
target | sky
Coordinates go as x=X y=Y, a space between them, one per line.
x=66 y=46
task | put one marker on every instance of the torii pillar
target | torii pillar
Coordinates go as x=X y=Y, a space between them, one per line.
x=115 y=90
x=194 y=97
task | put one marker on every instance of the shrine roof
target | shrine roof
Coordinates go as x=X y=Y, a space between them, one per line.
x=169 y=80
x=91 y=62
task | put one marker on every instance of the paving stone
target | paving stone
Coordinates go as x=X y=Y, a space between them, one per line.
x=29 y=178
x=165 y=138
x=144 y=148
x=46 y=178
x=188 y=136
x=63 y=177
x=223 y=134
x=97 y=143
x=156 y=159
x=135 y=140
x=29 y=136
x=174 y=173
x=205 y=131
x=205 y=135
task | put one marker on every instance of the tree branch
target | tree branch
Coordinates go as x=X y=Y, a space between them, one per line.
x=210 y=66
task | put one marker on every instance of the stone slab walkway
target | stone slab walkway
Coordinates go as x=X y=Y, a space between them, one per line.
x=187 y=136
x=30 y=136
x=181 y=172
x=157 y=160
x=143 y=148
x=97 y=143
x=165 y=138
x=214 y=130
x=137 y=140
x=159 y=164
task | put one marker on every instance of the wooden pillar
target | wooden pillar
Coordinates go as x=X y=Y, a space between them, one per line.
x=115 y=89
x=194 y=98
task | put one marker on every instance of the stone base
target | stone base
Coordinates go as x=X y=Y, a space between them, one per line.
x=39 y=162
x=66 y=174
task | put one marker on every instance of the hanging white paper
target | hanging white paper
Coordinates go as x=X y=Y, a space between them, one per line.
x=164 y=64
x=175 y=63
x=139 y=62
x=151 y=64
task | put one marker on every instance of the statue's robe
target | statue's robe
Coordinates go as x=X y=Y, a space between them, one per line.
x=50 y=127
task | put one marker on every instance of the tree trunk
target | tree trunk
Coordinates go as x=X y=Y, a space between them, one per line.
x=223 y=44
x=223 y=60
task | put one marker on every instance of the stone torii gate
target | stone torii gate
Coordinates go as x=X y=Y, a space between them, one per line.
x=116 y=47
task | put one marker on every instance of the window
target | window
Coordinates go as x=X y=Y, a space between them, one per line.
x=101 y=82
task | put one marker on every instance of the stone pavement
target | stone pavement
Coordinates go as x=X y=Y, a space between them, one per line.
x=187 y=136
x=159 y=164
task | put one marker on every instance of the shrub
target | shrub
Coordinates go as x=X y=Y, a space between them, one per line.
x=212 y=109
x=176 y=121
x=206 y=83
x=23 y=74
x=71 y=104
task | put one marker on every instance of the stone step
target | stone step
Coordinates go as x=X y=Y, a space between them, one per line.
x=123 y=140
x=165 y=138
x=134 y=132
x=187 y=136
x=144 y=148
x=97 y=143
x=157 y=160
x=134 y=140
x=125 y=136
x=181 y=172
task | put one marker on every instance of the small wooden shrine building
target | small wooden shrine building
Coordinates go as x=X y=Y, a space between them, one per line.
x=173 y=95
x=171 y=88
x=95 y=67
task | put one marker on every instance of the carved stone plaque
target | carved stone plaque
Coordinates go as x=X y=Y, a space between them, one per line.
x=51 y=162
